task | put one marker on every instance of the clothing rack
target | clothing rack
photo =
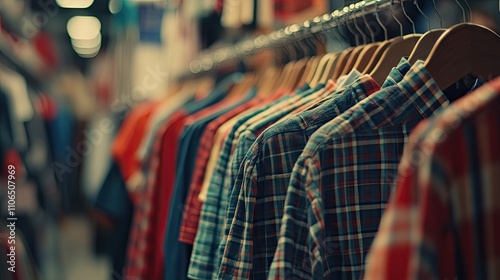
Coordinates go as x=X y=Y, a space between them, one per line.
x=210 y=60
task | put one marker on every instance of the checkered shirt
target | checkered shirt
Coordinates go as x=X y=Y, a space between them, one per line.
x=206 y=255
x=202 y=263
x=192 y=208
x=271 y=161
x=340 y=183
x=442 y=221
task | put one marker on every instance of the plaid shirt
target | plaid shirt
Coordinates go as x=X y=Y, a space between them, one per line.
x=206 y=255
x=271 y=161
x=192 y=208
x=340 y=183
x=202 y=262
x=441 y=223
x=247 y=138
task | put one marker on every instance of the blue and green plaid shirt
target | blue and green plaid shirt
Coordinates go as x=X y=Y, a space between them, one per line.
x=267 y=173
x=205 y=258
x=342 y=180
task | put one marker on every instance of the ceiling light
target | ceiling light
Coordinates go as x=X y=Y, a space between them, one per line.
x=87 y=44
x=115 y=6
x=74 y=4
x=87 y=52
x=83 y=27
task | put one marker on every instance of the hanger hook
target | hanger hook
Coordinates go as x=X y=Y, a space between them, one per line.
x=406 y=15
x=463 y=10
x=310 y=40
x=379 y=21
x=336 y=16
x=423 y=14
x=438 y=14
x=349 y=27
x=469 y=10
x=330 y=19
x=396 y=19
x=355 y=20
x=372 y=34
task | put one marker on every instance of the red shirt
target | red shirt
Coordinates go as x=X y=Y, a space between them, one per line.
x=192 y=208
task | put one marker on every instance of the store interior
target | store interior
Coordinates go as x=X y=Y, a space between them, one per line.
x=114 y=119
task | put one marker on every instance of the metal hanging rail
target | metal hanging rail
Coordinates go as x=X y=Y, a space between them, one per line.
x=210 y=60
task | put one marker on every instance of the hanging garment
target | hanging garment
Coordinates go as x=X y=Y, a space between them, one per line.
x=341 y=182
x=441 y=222
x=270 y=162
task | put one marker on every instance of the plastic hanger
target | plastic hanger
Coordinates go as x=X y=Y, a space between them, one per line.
x=464 y=49
x=425 y=44
x=400 y=47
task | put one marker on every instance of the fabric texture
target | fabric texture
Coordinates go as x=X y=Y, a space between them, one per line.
x=177 y=254
x=203 y=260
x=193 y=205
x=268 y=169
x=441 y=223
x=341 y=182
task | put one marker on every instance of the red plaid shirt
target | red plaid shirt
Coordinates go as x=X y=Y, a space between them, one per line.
x=443 y=220
x=192 y=208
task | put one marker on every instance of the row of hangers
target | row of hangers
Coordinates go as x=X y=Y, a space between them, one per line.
x=449 y=54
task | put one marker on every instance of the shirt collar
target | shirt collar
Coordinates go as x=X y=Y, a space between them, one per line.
x=354 y=93
x=422 y=91
x=397 y=73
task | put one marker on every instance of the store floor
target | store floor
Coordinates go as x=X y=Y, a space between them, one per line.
x=68 y=252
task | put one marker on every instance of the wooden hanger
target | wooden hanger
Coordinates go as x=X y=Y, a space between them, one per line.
x=283 y=76
x=381 y=47
x=299 y=70
x=241 y=88
x=296 y=68
x=329 y=68
x=265 y=80
x=342 y=61
x=464 y=49
x=311 y=65
x=368 y=51
x=320 y=69
x=377 y=55
x=399 y=48
x=351 y=60
x=424 y=45
x=365 y=56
